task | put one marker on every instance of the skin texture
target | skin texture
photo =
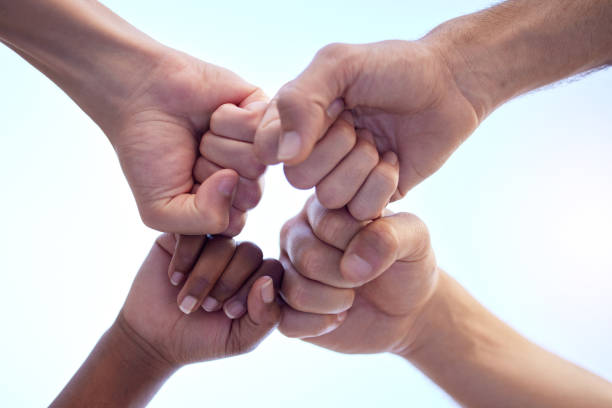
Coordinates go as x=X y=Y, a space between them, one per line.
x=402 y=92
x=228 y=144
x=329 y=305
x=419 y=100
x=158 y=149
x=404 y=304
x=153 y=103
x=151 y=338
x=422 y=99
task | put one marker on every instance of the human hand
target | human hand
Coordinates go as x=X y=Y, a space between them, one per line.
x=228 y=144
x=151 y=318
x=347 y=170
x=402 y=92
x=353 y=286
x=152 y=102
x=156 y=135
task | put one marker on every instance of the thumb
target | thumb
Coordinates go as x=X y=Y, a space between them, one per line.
x=262 y=317
x=307 y=106
x=205 y=212
x=398 y=237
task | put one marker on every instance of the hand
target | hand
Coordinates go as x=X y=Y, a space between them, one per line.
x=228 y=144
x=153 y=103
x=402 y=92
x=355 y=287
x=152 y=319
x=156 y=135
x=347 y=170
x=151 y=338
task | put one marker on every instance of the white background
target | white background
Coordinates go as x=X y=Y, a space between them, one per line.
x=521 y=215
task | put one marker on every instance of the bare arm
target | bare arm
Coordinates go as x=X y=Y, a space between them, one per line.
x=96 y=57
x=119 y=372
x=482 y=362
x=152 y=102
x=411 y=308
x=521 y=45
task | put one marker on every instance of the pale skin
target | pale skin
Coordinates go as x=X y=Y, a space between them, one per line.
x=153 y=103
x=151 y=339
x=227 y=145
x=404 y=304
x=415 y=101
x=421 y=99
x=363 y=181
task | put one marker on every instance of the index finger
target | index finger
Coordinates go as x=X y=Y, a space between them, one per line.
x=334 y=227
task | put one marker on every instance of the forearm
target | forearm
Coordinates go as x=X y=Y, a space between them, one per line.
x=520 y=45
x=119 y=372
x=481 y=362
x=97 y=58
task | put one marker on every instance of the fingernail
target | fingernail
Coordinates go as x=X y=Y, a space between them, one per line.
x=234 y=309
x=341 y=316
x=226 y=186
x=210 y=304
x=391 y=158
x=289 y=146
x=357 y=268
x=267 y=291
x=176 y=278
x=188 y=304
x=336 y=107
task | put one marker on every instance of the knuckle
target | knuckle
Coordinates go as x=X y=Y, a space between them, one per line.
x=183 y=261
x=382 y=237
x=363 y=211
x=347 y=133
x=265 y=146
x=294 y=294
x=287 y=329
x=284 y=235
x=333 y=51
x=369 y=152
x=251 y=120
x=220 y=113
x=307 y=263
x=197 y=283
x=250 y=250
x=248 y=195
x=204 y=143
x=224 y=288
x=217 y=222
x=387 y=177
x=421 y=231
x=328 y=197
x=287 y=96
x=298 y=177
x=256 y=168
x=237 y=221
x=329 y=226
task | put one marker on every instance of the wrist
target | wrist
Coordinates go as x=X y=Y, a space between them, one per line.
x=518 y=46
x=453 y=43
x=120 y=371
x=450 y=320
x=139 y=357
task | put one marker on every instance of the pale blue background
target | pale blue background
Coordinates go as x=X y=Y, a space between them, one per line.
x=521 y=215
